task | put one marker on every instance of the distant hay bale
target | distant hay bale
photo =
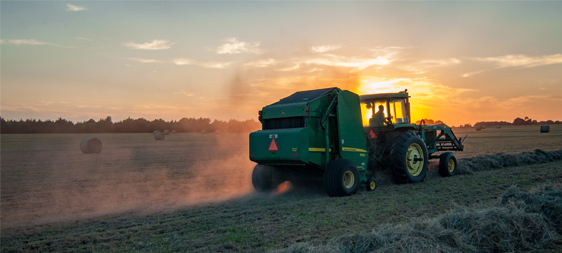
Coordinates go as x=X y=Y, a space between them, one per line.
x=159 y=136
x=478 y=128
x=545 y=128
x=498 y=126
x=90 y=145
x=156 y=131
x=166 y=132
x=174 y=132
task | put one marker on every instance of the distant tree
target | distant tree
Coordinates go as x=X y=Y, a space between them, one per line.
x=519 y=121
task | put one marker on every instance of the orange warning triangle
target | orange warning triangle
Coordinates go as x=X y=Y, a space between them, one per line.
x=372 y=134
x=273 y=145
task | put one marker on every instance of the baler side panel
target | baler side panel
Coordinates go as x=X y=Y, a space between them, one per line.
x=352 y=144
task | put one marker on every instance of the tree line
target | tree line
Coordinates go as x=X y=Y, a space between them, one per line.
x=128 y=125
x=517 y=122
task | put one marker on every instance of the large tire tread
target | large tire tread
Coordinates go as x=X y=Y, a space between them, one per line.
x=333 y=178
x=264 y=178
x=444 y=162
x=398 y=151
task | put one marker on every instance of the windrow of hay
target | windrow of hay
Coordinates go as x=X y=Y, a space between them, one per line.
x=491 y=162
x=519 y=222
x=384 y=176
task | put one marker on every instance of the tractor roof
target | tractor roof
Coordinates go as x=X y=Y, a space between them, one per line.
x=384 y=96
x=304 y=96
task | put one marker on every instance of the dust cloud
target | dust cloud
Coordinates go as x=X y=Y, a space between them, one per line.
x=140 y=178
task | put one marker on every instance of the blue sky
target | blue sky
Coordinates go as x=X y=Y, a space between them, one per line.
x=461 y=61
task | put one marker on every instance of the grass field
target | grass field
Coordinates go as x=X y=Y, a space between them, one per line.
x=192 y=192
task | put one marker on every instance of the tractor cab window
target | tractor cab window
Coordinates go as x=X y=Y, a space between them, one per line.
x=382 y=113
x=372 y=114
x=398 y=111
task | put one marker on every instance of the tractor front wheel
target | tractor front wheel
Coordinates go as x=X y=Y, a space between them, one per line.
x=371 y=184
x=265 y=178
x=341 y=178
x=408 y=158
x=447 y=164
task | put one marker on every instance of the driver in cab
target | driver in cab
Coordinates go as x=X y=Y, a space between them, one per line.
x=378 y=117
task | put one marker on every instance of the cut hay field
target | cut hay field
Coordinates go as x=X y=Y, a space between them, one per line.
x=192 y=193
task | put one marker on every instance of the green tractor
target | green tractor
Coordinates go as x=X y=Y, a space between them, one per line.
x=344 y=138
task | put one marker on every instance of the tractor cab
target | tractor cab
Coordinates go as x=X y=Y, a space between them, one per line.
x=385 y=109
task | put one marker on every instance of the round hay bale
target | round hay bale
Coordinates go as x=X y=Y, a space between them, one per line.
x=159 y=136
x=545 y=128
x=166 y=132
x=174 y=132
x=478 y=128
x=156 y=131
x=499 y=126
x=90 y=145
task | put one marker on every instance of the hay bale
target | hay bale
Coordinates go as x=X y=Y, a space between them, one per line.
x=159 y=136
x=174 y=132
x=166 y=132
x=499 y=126
x=156 y=131
x=478 y=128
x=90 y=145
x=545 y=128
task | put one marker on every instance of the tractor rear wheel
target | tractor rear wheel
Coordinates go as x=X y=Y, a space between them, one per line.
x=341 y=178
x=447 y=164
x=265 y=178
x=408 y=158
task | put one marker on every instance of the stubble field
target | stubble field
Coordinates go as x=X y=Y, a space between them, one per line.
x=192 y=192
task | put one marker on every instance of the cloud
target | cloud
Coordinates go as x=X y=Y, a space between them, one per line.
x=70 y=7
x=182 y=92
x=182 y=61
x=233 y=46
x=522 y=60
x=325 y=48
x=32 y=42
x=420 y=67
x=154 y=45
x=387 y=52
x=214 y=65
x=348 y=62
x=294 y=67
x=146 y=60
x=261 y=63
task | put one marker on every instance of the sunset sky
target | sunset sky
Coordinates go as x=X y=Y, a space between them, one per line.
x=462 y=62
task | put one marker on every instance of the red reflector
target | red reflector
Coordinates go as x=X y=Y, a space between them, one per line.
x=372 y=134
x=273 y=145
